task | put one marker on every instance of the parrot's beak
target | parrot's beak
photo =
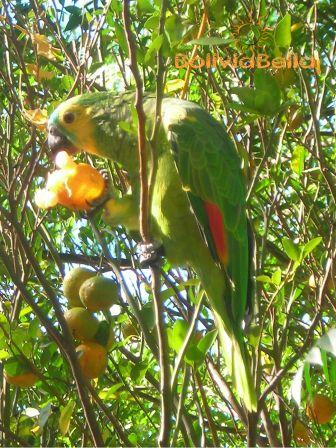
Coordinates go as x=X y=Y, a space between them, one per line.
x=59 y=142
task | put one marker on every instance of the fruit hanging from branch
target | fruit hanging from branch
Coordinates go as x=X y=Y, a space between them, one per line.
x=72 y=283
x=82 y=324
x=92 y=359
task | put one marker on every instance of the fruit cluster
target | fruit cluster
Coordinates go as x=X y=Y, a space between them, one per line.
x=75 y=186
x=87 y=293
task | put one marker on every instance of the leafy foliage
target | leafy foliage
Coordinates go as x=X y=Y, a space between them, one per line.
x=281 y=122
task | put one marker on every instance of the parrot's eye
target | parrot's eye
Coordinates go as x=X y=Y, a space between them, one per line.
x=69 y=117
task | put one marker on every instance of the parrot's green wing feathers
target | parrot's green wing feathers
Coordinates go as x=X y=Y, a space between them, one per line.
x=210 y=172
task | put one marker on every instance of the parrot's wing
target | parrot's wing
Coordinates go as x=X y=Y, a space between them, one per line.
x=210 y=171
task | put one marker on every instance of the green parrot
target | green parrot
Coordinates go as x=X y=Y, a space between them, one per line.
x=198 y=209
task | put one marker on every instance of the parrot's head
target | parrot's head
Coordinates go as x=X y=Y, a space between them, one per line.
x=73 y=124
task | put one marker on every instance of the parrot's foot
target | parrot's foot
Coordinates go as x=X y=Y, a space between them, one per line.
x=150 y=253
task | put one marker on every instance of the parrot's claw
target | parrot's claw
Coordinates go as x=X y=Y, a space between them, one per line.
x=104 y=197
x=150 y=253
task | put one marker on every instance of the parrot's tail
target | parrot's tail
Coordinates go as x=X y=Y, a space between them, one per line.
x=237 y=361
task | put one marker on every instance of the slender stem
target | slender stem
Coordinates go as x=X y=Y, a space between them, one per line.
x=193 y=54
x=184 y=388
x=166 y=393
x=252 y=426
x=144 y=196
x=207 y=409
x=110 y=416
x=166 y=400
x=184 y=347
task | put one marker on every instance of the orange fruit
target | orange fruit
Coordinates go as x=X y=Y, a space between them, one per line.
x=82 y=324
x=320 y=409
x=98 y=293
x=73 y=185
x=72 y=282
x=81 y=185
x=92 y=359
x=26 y=379
x=301 y=434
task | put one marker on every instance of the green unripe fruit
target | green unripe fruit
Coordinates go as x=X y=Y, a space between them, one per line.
x=81 y=323
x=72 y=282
x=98 y=293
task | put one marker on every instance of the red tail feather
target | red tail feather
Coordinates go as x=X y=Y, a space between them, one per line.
x=217 y=230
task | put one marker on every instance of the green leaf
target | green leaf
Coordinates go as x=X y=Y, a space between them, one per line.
x=73 y=22
x=103 y=334
x=175 y=30
x=282 y=33
x=263 y=9
x=310 y=246
x=241 y=107
x=306 y=373
x=291 y=249
x=120 y=35
x=206 y=342
x=154 y=47
x=211 y=41
x=15 y=366
x=262 y=185
x=145 y=6
x=174 y=84
x=193 y=355
x=264 y=99
x=4 y=354
x=133 y=438
x=264 y=279
x=246 y=95
x=25 y=310
x=148 y=315
x=107 y=394
x=153 y=22
x=276 y=277
x=268 y=94
x=74 y=10
x=65 y=417
x=298 y=158
x=296 y=293
x=177 y=334
x=333 y=373
x=138 y=372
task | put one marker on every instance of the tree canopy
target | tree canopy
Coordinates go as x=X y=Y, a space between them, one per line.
x=264 y=70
